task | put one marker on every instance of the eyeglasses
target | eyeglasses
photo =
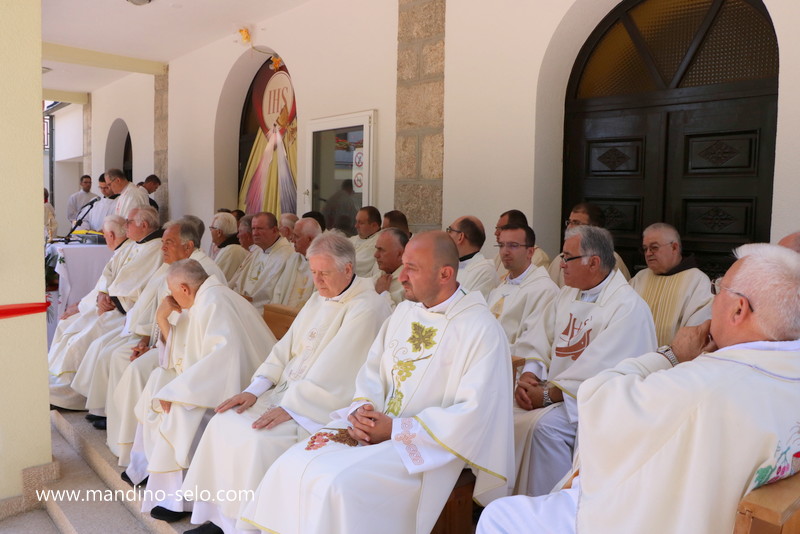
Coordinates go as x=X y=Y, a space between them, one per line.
x=573 y=222
x=213 y=228
x=654 y=247
x=511 y=246
x=451 y=229
x=566 y=260
x=716 y=287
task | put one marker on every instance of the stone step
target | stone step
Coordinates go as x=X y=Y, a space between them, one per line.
x=90 y=444
x=34 y=521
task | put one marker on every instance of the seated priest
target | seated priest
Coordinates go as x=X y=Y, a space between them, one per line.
x=296 y=284
x=259 y=274
x=389 y=257
x=309 y=373
x=475 y=272
x=517 y=218
x=206 y=355
x=678 y=293
x=595 y=321
x=368 y=227
x=108 y=356
x=229 y=254
x=520 y=301
x=434 y=385
x=669 y=441
x=117 y=295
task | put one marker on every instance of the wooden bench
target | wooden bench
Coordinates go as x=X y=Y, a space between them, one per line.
x=771 y=509
x=279 y=318
x=456 y=517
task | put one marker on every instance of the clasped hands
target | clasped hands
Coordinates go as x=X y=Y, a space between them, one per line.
x=369 y=426
x=529 y=392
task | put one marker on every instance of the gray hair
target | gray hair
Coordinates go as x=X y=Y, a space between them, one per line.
x=308 y=227
x=187 y=229
x=770 y=278
x=146 y=215
x=247 y=222
x=334 y=244
x=200 y=226
x=288 y=220
x=400 y=236
x=116 y=224
x=668 y=229
x=225 y=222
x=187 y=271
x=595 y=241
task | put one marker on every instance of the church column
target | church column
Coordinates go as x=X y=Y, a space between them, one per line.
x=160 y=158
x=419 y=144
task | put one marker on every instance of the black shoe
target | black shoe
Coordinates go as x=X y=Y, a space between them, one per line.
x=206 y=528
x=125 y=478
x=92 y=417
x=100 y=424
x=159 y=512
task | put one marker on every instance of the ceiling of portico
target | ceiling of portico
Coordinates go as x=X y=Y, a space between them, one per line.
x=115 y=34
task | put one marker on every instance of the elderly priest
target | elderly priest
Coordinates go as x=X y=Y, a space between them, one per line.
x=206 y=355
x=309 y=373
x=434 y=385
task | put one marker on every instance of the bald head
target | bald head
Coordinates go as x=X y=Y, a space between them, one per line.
x=443 y=249
x=304 y=232
x=430 y=265
x=791 y=241
x=468 y=234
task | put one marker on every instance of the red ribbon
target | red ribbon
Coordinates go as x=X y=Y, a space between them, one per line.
x=15 y=310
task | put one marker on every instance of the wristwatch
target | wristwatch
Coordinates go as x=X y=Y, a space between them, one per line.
x=546 y=400
x=666 y=351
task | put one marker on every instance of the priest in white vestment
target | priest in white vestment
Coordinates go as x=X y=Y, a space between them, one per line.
x=389 y=258
x=207 y=354
x=595 y=321
x=259 y=274
x=519 y=302
x=672 y=440
x=583 y=214
x=102 y=207
x=475 y=272
x=110 y=354
x=678 y=293
x=431 y=399
x=310 y=372
x=80 y=198
x=113 y=301
x=130 y=196
x=368 y=227
x=516 y=217
x=296 y=283
x=228 y=253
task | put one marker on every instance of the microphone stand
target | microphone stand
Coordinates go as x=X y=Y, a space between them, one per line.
x=79 y=221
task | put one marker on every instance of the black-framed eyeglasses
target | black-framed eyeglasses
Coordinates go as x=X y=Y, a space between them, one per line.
x=654 y=247
x=717 y=287
x=511 y=246
x=573 y=222
x=566 y=260
x=451 y=229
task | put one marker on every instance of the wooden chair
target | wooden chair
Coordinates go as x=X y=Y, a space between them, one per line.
x=456 y=517
x=771 y=509
x=279 y=318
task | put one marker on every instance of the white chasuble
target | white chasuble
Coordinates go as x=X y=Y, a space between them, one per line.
x=557 y=274
x=229 y=258
x=677 y=300
x=520 y=304
x=574 y=341
x=477 y=274
x=443 y=376
x=213 y=350
x=365 y=255
x=704 y=433
x=296 y=284
x=313 y=368
x=539 y=259
x=131 y=197
x=259 y=276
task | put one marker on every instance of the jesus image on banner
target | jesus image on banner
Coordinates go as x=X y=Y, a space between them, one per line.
x=269 y=179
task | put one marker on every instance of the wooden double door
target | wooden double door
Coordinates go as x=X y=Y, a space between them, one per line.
x=704 y=167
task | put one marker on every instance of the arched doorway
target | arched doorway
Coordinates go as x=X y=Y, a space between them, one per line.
x=670 y=116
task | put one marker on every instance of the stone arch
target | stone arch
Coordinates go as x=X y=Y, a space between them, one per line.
x=226 y=124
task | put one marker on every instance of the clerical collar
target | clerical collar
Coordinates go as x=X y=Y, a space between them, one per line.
x=338 y=297
x=765 y=345
x=231 y=240
x=269 y=248
x=518 y=280
x=121 y=243
x=590 y=295
x=442 y=306
x=154 y=235
x=112 y=197
x=468 y=256
x=687 y=262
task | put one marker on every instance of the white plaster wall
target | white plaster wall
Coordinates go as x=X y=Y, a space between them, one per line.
x=66 y=175
x=24 y=424
x=69 y=133
x=342 y=59
x=130 y=99
x=504 y=109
